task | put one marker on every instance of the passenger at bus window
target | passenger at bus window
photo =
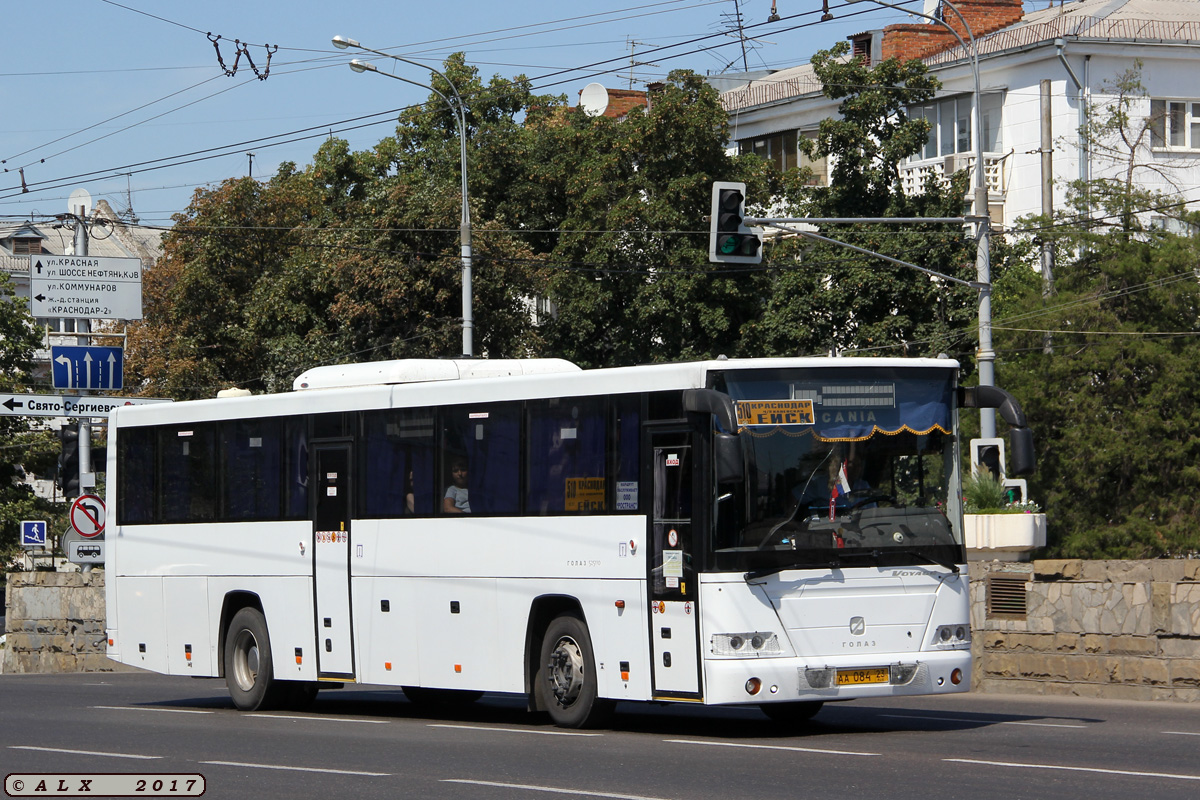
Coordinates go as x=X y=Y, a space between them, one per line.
x=410 y=495
x=455 y=501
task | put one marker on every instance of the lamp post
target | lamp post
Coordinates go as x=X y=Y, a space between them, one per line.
x=986 y=356
x=460 y=118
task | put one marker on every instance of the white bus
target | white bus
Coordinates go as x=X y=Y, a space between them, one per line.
x=775 y=532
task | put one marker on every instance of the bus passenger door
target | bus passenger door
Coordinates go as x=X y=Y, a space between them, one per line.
x=674 y=617
x=331 y=560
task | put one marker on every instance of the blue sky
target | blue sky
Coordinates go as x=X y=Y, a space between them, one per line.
x=126 y=100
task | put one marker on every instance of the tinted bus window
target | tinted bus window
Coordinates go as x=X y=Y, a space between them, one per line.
x=567 y=461
x=136 y=460
x=627 y=432
x=187 y=470
x=252 y=466
x=398 y=452
x=481 y=459
x=295 y=436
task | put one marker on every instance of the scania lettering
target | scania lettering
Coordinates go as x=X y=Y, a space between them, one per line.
x=771 y=532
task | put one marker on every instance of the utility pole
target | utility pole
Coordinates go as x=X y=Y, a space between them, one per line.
x=86 y=477
x=1047 y=151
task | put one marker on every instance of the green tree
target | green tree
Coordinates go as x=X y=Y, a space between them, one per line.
x=628 y=201
x=355 y=257
x=1113 y=404
x=827 y=298
x=22 y=449
x=1102 y=364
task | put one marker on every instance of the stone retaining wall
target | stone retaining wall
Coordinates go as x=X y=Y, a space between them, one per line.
x=1116 y=629
x=55 y=623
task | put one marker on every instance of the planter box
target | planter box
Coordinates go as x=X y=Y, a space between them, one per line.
x=1004 y=533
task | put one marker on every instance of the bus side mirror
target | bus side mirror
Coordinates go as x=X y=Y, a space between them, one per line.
x=727 y=455
x=1021 y=455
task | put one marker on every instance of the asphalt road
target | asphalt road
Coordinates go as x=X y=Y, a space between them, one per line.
x=370 y=742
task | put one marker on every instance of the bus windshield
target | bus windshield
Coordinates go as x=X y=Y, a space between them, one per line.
x=843 y=467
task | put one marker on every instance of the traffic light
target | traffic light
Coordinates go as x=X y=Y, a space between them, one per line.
x=730 y=241
x=68 y=460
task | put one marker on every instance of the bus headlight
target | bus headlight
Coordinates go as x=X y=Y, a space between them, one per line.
x=746 y=645
x=952 y=637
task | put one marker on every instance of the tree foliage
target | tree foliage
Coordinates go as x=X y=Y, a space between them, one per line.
x=23 y=449
x=825 y=297
x=1104 y=363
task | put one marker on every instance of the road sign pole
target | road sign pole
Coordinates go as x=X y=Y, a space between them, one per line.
x=85 y=327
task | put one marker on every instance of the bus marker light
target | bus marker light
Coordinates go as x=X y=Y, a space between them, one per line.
x=299 y=655
x=620 y=604
x=458 y=667
x=753 y=686
x=624 y=670
x=956 y=677
x=387 y=665
x=187 y=652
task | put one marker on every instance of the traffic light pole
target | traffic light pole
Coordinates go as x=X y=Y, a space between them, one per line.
x=784 y=223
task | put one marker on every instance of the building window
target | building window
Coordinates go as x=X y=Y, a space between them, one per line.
x=782 y=150
x=26 y=247
x=950 y=129
x=1175 y=124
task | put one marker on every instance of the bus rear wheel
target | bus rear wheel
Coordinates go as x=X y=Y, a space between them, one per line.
x=566 y=681
x=249 y=671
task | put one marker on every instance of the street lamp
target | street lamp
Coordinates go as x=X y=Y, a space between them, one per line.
x=983 y=268
x=460 y=118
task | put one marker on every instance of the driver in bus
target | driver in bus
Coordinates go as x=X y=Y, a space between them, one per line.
x=455 y=501
x=845 y=476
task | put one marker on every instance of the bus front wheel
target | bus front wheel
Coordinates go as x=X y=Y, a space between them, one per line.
x=249 y=671
x=566 y=681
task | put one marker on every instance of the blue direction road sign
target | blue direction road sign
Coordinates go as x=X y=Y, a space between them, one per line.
x=33 y=534
x=87 y=367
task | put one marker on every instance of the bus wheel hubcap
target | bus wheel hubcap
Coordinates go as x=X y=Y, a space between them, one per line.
x=565 y=671
x=246 y=662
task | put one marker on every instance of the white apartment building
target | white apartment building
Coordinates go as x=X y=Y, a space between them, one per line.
x=1077 y=48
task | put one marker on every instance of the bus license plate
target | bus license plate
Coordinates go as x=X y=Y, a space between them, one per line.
x=854 y=677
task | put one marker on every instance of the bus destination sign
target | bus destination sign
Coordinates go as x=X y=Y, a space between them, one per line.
x=757 y=413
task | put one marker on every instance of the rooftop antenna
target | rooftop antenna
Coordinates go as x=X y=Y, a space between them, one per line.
x=774 y=13
x=736 y=20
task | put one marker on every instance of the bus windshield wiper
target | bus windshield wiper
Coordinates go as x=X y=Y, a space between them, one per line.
x=876 y=553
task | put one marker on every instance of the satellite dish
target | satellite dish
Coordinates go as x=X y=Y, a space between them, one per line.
x=593 y=99
x=79 y=197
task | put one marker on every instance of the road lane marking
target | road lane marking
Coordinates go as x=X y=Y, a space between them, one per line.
x=79 y=752
x=297 y=769
x=1182 y=733
x=772 y=747
x=984 y=721
x=322 y=719
x=1130 y=773
x=511 y=730
x=138 y=708
x=553 y=789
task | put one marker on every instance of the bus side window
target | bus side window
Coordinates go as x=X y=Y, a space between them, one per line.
x=188 y=475
x=252 y=461
x=136 y=447
x=567 y=461
x=398 y=455
x=488 y=438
